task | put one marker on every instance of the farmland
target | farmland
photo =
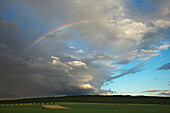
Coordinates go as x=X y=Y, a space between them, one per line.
x=87 y=108
x=88 y=104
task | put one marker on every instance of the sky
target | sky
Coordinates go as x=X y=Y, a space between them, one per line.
x=84 y=47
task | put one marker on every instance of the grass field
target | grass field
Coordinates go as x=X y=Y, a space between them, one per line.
x=88 y=108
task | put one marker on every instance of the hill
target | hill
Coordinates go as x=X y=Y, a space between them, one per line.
x=94 y=99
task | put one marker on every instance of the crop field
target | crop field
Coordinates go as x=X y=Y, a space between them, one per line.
x=87 y=108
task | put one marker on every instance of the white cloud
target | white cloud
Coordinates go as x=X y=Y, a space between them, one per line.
x=149 y=51
x=165 y=93
x=162 y=23
x=56 y=59
x=145 y=54
x=164 y=47
x=86 y=86
x=80 y=51
x=77 y=64
x=107 y=93
x=132 y=29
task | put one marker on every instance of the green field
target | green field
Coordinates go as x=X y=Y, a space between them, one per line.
x=88 y=108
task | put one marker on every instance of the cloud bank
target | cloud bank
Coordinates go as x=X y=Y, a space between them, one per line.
x=80 y=59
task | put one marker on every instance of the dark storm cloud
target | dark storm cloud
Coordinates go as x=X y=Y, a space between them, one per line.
x=39 y=77
x=164 y=67
x=14 y=75
x=9 y=33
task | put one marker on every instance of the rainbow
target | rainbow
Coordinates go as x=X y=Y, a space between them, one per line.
x=62 y=28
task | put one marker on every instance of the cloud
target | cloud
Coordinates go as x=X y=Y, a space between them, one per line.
x=9 y=34
x=148 y=51
x=166 y=93
x=125 y=31
x=164 y=47
x=146 y=54
x=44 y=76
x=151 y=38
x=86 y=86
x=133 y=70
x=164 y=67
x=105 y=56
x=58 y=36
x=162 y=23
x=8 y=25
x=159 y=92
x=79 y=51
x=77 y=64
x=154 y=90
x=124 y=61
x=108 y=93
